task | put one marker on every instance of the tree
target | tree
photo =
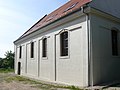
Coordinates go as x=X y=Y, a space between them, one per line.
x=8 y=61
x=1 y=61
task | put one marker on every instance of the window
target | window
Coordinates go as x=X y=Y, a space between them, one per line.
x=114 y=43
x=51 y=17
x=20 y=52
x=70 y=7
x=44 y=47
x=32 y=50
x=64 y=44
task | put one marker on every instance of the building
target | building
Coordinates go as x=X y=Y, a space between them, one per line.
x=77 y=44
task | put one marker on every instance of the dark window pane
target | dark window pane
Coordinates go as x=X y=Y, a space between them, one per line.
x=114 y=43
x=32 y=50
x=20 y=52
x=64 y=43
x=44 y=47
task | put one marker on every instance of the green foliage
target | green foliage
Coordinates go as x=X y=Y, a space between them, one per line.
x=3 y=70
x=8 y=61
x=74 y=88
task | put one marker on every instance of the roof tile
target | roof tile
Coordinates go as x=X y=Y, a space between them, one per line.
x=60 y=12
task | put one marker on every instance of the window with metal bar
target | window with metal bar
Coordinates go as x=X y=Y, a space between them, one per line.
x=44 y=47
x=64 y=44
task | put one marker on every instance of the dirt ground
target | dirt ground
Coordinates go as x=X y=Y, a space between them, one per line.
x=15 y=85
x=10 y=81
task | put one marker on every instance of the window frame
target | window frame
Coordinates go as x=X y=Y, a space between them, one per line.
x=68 y=40
x=44 y=48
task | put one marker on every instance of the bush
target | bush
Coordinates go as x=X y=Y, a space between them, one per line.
x=3 y=70
x=8 y=61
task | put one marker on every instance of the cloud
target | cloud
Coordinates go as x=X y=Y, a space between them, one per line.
x=16 y=16
x=12 y=25
x=13 y=15
x=12 y=21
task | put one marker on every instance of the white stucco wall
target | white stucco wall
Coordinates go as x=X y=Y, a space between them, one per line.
x=105 y=65
x=22 y=59
x=72 y=70
x=32 y=62
x=15 y=61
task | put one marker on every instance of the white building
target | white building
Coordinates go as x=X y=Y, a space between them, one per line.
x=77 y=44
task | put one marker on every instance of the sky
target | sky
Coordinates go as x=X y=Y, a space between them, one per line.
x=17 y=16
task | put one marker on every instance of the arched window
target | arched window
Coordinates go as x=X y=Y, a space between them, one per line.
x=64 y=44
x=114 y=36
x=44 y=47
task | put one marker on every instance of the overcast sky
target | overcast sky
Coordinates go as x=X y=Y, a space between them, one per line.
x=17 y=16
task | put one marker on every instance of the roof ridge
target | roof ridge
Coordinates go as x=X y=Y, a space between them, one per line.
x=60 y=7
x=60 y=12
x=34 y=25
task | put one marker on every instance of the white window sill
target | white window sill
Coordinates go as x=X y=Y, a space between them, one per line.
x=64 y=57
x=44 y=58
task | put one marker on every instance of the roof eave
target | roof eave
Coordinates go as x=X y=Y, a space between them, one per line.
x=76 y=10
x=79 y=9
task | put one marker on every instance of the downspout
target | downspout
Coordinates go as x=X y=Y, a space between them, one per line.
x=90 y=60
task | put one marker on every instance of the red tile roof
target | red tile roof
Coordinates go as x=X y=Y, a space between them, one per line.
x=70 y=6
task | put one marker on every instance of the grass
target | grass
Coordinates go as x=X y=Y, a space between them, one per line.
x=37 y=84
x=2 y=70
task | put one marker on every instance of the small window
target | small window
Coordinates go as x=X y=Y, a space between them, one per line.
x=70 y=7
x=44 y=47
x=51 y=17
x=20 y=52
x=114 y=42
x=32 y=50
x=64 y=44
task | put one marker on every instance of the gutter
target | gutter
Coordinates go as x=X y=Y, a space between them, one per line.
x=90 y=60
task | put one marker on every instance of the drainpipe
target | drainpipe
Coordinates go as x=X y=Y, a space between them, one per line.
x=90 y=60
